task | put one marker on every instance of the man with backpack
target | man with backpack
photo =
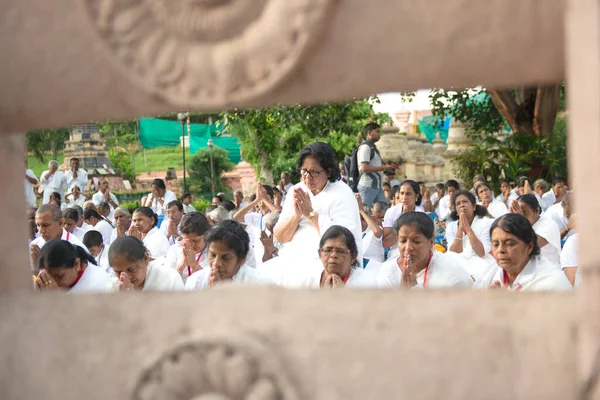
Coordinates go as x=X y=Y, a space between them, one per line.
x=369 y=167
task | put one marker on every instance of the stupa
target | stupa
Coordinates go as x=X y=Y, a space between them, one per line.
x=86 y=144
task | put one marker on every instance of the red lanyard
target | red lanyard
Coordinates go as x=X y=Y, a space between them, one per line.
x=197 y=260
x=427 y=270
x=68 y=236
x=505 y=275
x=347 y=277
x=78 y=277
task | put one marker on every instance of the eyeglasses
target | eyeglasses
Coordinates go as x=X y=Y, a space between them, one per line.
x=311 y=173
x=328 y=250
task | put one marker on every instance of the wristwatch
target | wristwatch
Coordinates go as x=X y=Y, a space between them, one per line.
x=312 y=215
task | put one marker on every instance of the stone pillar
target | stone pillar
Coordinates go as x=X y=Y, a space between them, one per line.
x=392 y=147
x=401 y=118
x=583 y=79
x=15 y=272
x=457 y=139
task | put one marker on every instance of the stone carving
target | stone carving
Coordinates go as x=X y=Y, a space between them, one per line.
x=222 y=368
x=208 y=53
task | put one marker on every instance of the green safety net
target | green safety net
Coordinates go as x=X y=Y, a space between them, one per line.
x=160 y=132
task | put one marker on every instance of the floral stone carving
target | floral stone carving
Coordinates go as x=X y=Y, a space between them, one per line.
x=226 y=368
x=208 y=53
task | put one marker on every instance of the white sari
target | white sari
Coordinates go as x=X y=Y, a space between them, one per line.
x=546 y=228
x=468 y=259
x=200 y=280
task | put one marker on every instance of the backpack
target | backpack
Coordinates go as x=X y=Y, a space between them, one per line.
x=351 y=165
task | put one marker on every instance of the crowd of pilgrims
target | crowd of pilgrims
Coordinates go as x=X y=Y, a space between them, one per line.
x=314 y=234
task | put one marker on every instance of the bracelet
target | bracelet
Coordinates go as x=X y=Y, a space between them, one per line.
x=457 y=238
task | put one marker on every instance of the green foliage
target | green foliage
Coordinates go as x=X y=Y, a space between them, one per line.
x=131 y=206
x=42 y=142
x=201 y=205
x=480 y=115
x=122 y=161
x=272 y=137
x=516 y=155
x=199 y=170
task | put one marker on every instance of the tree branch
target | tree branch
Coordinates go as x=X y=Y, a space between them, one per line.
x=511 y=111
x=546 y=108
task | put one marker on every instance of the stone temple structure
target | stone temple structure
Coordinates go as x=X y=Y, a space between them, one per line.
x=86 y=144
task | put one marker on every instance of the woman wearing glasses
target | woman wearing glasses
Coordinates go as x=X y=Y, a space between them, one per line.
x=131 y=263
x=340 y=268
x=419 y=265
x=318 y=202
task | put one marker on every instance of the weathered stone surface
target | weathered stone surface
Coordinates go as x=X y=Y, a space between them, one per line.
x=346 y=344
x=59 y=71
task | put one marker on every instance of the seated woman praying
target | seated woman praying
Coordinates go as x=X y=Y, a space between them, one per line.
x=318 y=202
x=227 y=244
x=144 y=228
x=98 y=223
x=495 y=208
x=135 y=270
x=340 y=267
x=418 y=264
x=468 y=234
x=548 y=233
x=189 y=254
x=70 y=268
x=519 y=264
x=409 y=200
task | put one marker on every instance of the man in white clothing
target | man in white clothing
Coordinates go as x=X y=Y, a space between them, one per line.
x=238 y=199
x=48 y=219
x=105 y=195
x=285 y=185
x=30 y=182
x=555 y=194
x=122 y=223
x=53 y=181
x=76 y=175
x=444 y=204
x=171 y=227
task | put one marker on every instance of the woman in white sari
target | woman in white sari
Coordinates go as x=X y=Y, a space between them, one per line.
x=418 y=265
x=318 y=202
x=228 y=245
x=519 y=264
x=468 y=235
x=496 y=208
x=70 y=268
x=548 y=233
x=340 y=267
x=134 y=269
x=144 y=228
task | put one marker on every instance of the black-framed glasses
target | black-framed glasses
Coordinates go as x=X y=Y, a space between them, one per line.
x=328 y=250
x=312 y=173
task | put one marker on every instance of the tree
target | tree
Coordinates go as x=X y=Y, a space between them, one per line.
x=122 y=140
x=42 y=142
x=271 y=138
x=199 y=170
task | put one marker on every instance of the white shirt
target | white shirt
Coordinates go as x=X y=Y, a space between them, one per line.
x=443 y=273
x=169 y=196
x=538 y=275
x=336 y=205
x=287 y=189
x=29 y=193
x=175 y=255
x=188 y=208
x=69 y=237
x=93 y=280
x=497 y=208
x=548 y=199
x=444 y=208
x=546 y=227
x=81 y=181
x=569 y=258
x=115 y=235
x=156 y=243
x=393 y=213
x=105 y=229
x=102 y=261
x=98 y=198
x=310 y=278
x=55 y=183
x=245 y=275
x=159 y=279
x=557 y=213
x=372 y=245
x=70 y=201
x=164 y=228
x=79 y=233
x=475 y=265
x=515 y=195
x=434 y=198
